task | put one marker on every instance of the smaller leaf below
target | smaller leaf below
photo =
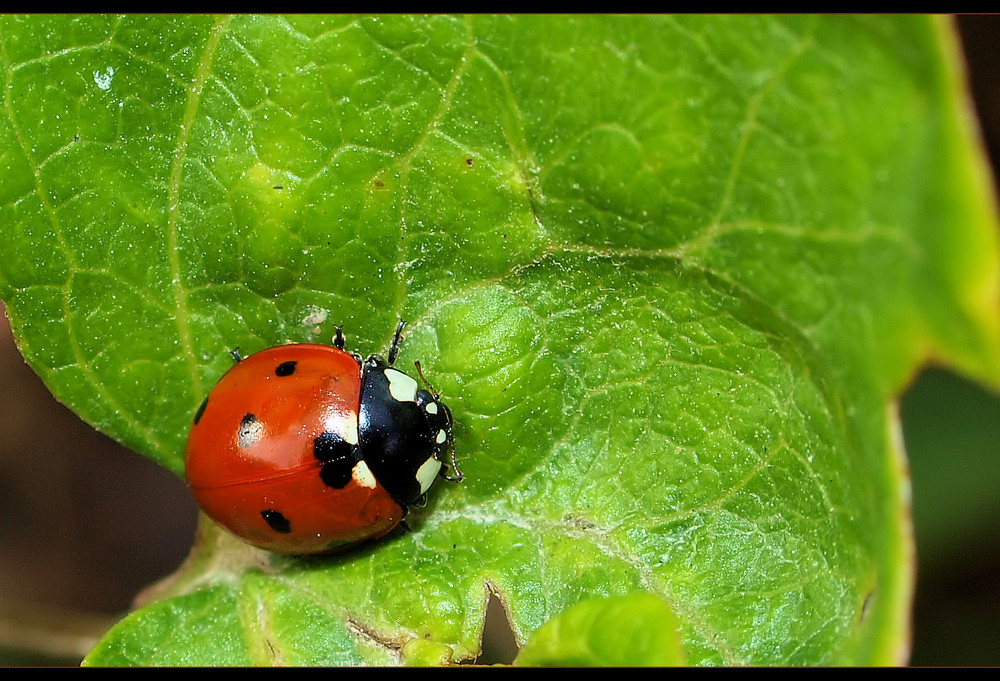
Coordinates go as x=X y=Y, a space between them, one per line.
x=635 y=630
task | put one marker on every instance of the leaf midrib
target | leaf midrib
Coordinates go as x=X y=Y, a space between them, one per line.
x=194 y=98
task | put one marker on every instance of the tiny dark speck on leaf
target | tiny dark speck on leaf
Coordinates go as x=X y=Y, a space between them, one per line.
x=866 y=606
x=468 y=161
x=278 y=186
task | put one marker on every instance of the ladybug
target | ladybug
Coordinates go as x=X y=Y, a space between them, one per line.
x=306 y=448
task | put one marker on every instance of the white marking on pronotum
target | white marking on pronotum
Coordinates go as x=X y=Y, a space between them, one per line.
x=363 y=475
x=344 y=424
x=432 y=408
x=442 y=437
x=401 y=387
x=427 y=472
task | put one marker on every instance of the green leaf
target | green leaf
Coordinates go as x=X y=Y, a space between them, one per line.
x=636 y=630
x=670 y=275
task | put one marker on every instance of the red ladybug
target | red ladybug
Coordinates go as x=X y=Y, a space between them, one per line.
x=307 y=449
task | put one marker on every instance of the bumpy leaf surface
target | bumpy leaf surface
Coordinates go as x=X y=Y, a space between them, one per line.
x=669 y=274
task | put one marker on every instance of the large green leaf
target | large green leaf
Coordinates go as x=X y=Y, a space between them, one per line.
x=669 y=273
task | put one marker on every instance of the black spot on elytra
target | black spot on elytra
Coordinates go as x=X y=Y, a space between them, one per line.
x=201 y=410
x=277 y=521
x=337 y=473
x=331 y=447
x=285 y=369
x=338 y=459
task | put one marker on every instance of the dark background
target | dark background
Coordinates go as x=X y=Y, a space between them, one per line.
x=952 y=431
x=86 y=524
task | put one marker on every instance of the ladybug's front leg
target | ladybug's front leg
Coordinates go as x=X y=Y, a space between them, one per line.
x=396 y=340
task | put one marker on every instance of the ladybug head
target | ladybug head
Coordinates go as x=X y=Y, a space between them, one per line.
x=438 y=418
x=439 y=426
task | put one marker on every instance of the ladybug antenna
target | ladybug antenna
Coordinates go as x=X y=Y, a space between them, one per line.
x=457 y=476
x=338 y=339
x=420 y=372
x=396 y=340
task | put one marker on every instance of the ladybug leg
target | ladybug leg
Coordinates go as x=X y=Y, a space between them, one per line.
x=400 y=530
x=235 y=353
x=457 y=475
x=396 y=340
x=338 y=340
